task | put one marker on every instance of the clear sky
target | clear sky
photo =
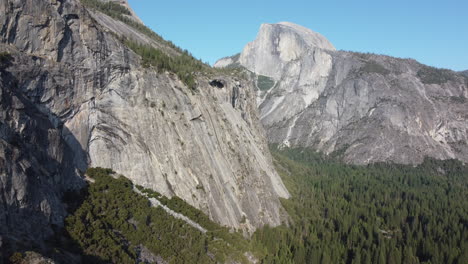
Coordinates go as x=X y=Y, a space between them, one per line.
x=432 y=32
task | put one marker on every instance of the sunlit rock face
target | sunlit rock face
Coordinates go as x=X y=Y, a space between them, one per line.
x=279 y=45
x=296 y=59
x=361 y=107
x=73 y=96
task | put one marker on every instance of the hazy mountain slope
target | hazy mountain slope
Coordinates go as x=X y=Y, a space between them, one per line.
x=363 y=107
x=90 y=94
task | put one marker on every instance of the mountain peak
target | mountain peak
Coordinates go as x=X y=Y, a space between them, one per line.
x=278 y=45
x=313 y=38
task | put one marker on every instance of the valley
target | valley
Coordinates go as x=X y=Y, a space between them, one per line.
x=118 y=146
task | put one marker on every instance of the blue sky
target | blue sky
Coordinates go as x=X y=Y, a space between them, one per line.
x=432 y=32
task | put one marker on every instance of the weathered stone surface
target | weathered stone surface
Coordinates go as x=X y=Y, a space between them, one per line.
x=365 y=107
x=36 y=164
x=280 y=46
x=88 y=102
x=32 y=257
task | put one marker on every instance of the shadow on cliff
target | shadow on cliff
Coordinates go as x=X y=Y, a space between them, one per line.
x=61 y=247
x=40 y=178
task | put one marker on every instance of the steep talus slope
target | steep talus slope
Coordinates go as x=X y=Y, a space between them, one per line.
x=362 y=107
x=89 y=102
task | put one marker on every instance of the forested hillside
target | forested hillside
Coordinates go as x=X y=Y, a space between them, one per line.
x=382 y=213
x=116 y=224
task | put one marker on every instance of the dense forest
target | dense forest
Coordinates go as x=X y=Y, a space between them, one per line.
x=380 y=213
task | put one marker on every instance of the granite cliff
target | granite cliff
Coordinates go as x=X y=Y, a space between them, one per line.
x=363 y=108
x=74 y=95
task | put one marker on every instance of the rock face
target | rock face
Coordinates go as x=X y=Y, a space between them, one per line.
x=73 y=96
x=279 y=45
x=363 y=107
x=36 y=163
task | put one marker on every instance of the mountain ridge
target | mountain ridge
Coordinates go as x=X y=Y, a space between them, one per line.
x=324 y=99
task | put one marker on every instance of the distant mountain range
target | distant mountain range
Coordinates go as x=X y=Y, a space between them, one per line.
x=360 y=107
